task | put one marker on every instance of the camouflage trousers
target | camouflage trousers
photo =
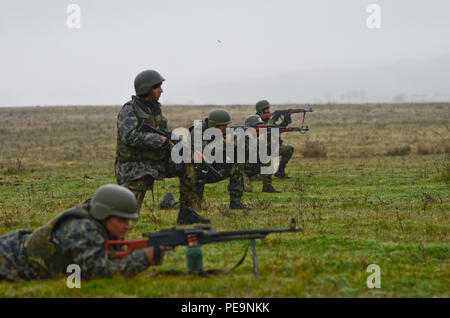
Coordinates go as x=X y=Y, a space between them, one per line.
x=234 y=172
x=187 y=177
x=192 y=184
x=13 y=263
x=286 y=152
x=252 y=171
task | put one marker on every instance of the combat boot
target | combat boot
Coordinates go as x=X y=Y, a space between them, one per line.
x=168 y=202
x=188 y=216
x=280 y=173
x=270 y=189
x=238 y=205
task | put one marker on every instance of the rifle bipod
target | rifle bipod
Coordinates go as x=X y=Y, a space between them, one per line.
x=194 y=260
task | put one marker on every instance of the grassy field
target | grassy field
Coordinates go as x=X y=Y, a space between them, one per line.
x=370 y=186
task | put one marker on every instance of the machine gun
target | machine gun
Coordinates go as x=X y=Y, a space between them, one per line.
x=194 y=238
x=202 y=168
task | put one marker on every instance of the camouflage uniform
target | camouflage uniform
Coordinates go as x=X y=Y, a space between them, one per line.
x=285 y=151
x=252 y=172
x=142 y=157
x=73 y=237
x=232 y=171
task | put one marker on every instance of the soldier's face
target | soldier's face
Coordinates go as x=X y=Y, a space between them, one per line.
x=222 y=128
x=156 y=93
x=267 y=110
x=118 y=226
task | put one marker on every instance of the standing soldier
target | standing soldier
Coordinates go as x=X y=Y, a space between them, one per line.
x=286 y=151
x=143 y=157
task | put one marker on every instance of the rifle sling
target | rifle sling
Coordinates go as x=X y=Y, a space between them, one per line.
x=235 y=266
x=206 y=272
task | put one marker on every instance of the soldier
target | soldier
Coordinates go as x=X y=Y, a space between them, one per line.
x=286 y=151
x=76 y=236
x=143 y=157
x=252 y=171
x=220 y=118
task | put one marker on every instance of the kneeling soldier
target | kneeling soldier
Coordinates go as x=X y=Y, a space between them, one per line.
x=252 y=171
x=143 y=157
x=220 y=118
x=286 y=151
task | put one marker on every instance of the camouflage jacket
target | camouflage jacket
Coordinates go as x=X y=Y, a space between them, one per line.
x=70 y=238
x=221 y=148
x=140 y=154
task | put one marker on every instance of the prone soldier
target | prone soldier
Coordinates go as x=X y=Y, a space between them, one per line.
x=76 y=236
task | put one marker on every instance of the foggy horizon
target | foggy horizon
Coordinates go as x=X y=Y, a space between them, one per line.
x=225 y=53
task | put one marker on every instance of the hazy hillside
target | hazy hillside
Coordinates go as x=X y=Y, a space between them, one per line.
x=406 y=81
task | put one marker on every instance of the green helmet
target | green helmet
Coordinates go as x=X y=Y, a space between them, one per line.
x=261 y=105
x=113 y=200
x=218 y=117
x=144 y=81
x=253 y=120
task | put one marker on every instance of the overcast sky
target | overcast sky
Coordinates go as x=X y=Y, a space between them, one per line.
x=213 y=52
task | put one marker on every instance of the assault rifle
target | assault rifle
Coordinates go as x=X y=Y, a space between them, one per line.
x=302 y=129
x=203 y=168
x=286 y=113
x=194 y=237
x=282 y=129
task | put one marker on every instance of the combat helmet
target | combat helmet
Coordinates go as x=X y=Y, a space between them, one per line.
x=218 y=117
x=261 y=105
x=113 y=200
x=144 y=81
x=253 y=120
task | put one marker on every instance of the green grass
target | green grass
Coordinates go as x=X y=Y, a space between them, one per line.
x=390 y=211
x=365 y=202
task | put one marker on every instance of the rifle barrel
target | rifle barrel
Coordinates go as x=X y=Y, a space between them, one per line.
x=211 y=237
x=250 y=232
